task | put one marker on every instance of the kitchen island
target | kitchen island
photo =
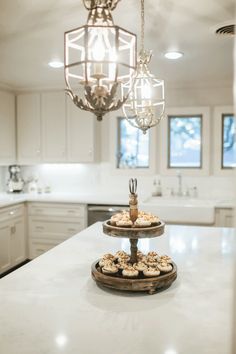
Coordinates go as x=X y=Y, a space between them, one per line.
x=52 y=305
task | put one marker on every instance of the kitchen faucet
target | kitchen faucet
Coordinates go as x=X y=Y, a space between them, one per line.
x=180 y=189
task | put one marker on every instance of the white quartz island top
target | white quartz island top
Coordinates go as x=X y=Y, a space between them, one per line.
x=52 y=305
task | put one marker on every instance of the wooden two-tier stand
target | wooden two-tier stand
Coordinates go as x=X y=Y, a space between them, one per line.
x=141 y=283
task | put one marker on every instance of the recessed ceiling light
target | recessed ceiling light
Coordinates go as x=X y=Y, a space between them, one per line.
x=173 y=55
x=56 y=64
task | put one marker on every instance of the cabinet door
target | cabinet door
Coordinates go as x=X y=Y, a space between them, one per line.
x=38 y=248
x=18 y=246
x=53 y=127
x=28 y=128
x=80 y=134
x=7 y=129
x=5 y=246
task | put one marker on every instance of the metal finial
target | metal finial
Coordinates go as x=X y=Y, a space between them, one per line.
x=133 y=185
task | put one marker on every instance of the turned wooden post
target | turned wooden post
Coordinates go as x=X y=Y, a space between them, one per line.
x=133 y=200
x=133 y=250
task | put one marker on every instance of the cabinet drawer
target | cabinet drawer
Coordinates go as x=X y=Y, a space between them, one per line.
x=11 y=212
x=46 y=209
x=48 y=228
x=38 y=248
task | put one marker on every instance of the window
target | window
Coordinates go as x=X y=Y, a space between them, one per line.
x=228 y=145
x=185 y=141
x=133 y=146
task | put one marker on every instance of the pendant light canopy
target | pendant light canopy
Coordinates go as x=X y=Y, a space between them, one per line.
x=146 y=103
x=99 y=57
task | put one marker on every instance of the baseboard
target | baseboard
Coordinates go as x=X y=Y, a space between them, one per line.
x=14 y=268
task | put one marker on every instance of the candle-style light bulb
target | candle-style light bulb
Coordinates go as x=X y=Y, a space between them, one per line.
x=98 y=53
x=98 y=50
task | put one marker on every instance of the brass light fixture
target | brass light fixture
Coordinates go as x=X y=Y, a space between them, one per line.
x=146 y=103
x=99 y=57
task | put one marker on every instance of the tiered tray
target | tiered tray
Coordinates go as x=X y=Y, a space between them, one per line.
x=141 y=283
x=150 y=285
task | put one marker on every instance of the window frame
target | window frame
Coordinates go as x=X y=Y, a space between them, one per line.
x=204 y=113
x=113 y=136
x=169 y=117
x=219 y=112
x=118 y=120
x=222 y=140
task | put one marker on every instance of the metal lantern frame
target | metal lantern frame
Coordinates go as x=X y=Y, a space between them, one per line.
x=93 y=80
x=145 y=106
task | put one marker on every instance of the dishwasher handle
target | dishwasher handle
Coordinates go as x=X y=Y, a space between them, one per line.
x=108 y=208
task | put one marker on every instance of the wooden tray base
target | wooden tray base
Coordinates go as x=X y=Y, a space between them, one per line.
x=133 y=232
x=139 y=284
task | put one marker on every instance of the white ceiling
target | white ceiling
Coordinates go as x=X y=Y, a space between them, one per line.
x=31 y=35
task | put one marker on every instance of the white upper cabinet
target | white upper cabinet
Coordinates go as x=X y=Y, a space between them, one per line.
x=51 y=129
x=81 y=134
x=7 y=129
x=53 y=115
x=28 y=129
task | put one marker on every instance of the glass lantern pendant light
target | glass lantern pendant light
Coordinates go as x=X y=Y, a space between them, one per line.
x=146 y=103
x=99 y=57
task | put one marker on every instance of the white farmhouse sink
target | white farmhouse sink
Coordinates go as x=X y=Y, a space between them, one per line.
x=181 y=210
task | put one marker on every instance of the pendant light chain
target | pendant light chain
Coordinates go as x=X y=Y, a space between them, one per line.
x=142 y=25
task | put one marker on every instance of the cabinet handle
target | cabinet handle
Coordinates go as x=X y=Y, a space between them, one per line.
x=39 y=228
x=37 y=151
x=38 y=210
x=72 y=230
x=71 y=211
x=12 y=212
x=13 y=230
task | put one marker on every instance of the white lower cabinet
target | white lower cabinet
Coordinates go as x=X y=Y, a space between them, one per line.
x=224 y=217
x=52 y=223
x=12 y=237
x=5 y=246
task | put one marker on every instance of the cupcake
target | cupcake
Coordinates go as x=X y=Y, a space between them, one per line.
x=164 y=267
x=110 y=269
x=165 y=258
x=151 y=262
x=154 y=220
x=104 y=262
x=153 y=255
x=140 y=266
x=108 y=256
x=115 y=218
x=151 y=272
x=121 y=254
x=124 y=223
x=130 y=272
x=141 y=222
x=122 y=265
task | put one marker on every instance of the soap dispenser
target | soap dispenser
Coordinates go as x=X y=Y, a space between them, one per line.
x=157 y=192
x=158 y=189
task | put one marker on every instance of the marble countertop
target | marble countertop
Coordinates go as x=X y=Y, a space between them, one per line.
x=52 y=305
x=95 y=198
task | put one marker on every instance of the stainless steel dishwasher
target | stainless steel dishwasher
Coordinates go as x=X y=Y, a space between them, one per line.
x=103 y=212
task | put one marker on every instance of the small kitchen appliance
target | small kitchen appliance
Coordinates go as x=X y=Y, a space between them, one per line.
x=15 y=184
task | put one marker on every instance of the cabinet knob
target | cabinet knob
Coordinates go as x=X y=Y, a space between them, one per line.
x=37 y=151
x=12 y=213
